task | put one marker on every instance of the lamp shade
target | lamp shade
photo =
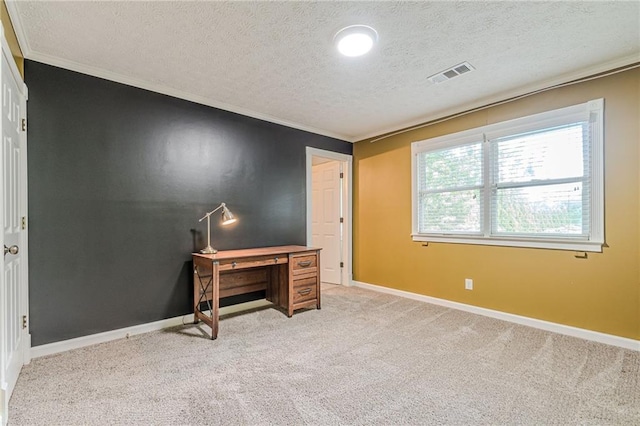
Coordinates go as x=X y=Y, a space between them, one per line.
x=227 y=216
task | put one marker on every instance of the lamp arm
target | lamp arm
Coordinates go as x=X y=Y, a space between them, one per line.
x=211 y=212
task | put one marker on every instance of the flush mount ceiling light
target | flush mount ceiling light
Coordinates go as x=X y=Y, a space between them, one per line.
x=355 y=40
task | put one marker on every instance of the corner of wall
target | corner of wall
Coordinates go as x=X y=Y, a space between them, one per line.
x=10 y=35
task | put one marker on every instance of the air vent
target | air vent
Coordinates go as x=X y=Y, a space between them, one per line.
x=452 y=72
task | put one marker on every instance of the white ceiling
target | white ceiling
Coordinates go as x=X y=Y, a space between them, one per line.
x=276 y=60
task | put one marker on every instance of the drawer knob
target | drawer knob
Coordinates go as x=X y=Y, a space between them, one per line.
x=304 y=292
x=304 y=264
x=233 y=264
x=276 y=260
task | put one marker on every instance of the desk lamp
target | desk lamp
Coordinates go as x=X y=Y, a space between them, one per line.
x=227 y=218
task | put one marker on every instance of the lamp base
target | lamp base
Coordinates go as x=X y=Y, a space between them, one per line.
x=208 y=250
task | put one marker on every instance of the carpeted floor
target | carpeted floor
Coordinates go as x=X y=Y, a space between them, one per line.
x=365 y=359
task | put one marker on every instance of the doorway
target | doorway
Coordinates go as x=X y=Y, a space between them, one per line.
x=329 y=212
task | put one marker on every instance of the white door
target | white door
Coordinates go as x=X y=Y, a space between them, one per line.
x=13 y=194
x=326 y=213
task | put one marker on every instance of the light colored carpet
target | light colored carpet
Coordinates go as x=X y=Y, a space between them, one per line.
x=364 y=359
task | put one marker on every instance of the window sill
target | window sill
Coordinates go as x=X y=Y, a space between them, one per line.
x=590 y=246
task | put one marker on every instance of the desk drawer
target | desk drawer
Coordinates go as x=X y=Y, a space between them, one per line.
x=305 y=262
x=305 y=289
x=304 y=266
x=252 y=262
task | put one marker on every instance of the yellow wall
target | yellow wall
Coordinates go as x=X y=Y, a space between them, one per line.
x=601 y=293
x=10 y=35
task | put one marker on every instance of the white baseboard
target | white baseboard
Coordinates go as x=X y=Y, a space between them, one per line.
x=80 y=342
x=93 y=339
x=595 y=336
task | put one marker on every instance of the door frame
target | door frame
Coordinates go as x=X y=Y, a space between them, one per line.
x=24 y=249
x=347 y=202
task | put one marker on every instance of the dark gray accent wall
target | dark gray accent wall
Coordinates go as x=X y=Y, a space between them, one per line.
x=118 y=178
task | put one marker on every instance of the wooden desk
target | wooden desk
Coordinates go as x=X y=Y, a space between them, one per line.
x=290 y=275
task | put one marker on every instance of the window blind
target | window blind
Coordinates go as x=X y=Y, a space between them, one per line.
x=450 y=182
x=541 y=182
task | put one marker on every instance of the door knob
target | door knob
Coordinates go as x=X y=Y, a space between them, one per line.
x=12 y=250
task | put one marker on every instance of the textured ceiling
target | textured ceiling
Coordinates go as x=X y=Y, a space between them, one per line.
x=276 y=60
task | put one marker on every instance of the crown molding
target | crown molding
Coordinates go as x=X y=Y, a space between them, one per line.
x=176 y=93
x=33 y=55
x=520 y=91
x=18 y=27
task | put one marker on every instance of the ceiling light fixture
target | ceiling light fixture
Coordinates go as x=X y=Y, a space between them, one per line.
x=355 y=40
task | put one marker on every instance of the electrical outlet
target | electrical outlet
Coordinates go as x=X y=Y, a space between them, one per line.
x=468 y=284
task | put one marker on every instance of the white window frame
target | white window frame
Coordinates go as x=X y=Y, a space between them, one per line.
x=592 y=111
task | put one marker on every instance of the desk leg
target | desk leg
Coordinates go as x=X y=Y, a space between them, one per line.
x=215 y=311
x=196 y=294
x=318 y=280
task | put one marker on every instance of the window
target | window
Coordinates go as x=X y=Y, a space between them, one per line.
x=536 y=181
